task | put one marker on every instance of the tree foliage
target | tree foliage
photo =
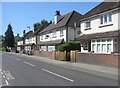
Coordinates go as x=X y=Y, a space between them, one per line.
x=69 y=46
x=9 y=37
x=42 y=22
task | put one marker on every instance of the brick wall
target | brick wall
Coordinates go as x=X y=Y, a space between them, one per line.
x=98 y=59
x=48 y=54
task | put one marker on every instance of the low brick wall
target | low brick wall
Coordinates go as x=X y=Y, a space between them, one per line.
x=47 y=54
x=98 y=59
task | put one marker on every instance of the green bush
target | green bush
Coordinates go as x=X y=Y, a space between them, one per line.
x=69 y=46
x=2 y=49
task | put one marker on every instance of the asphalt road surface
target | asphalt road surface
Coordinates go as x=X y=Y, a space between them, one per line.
x=21 y=71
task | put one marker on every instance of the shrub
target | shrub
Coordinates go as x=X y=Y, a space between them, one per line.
x=69 y=46
x=2 y=49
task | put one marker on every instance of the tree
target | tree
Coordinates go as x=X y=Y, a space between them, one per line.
x=9 y=37
x=42 y=22
x=72 y=45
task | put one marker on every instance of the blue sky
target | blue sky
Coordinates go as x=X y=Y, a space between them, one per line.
x=23 y=14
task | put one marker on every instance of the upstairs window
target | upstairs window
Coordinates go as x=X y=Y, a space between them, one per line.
x=61 y=32
x=110 y=17
x=101 y=20
x=54 y=34
x=87 y=24
x=41 y=37
x=106 y=18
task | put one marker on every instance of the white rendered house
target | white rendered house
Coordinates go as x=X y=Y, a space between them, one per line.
x=100 y=28
x=60 y=31
x=20 y=44
x=29 y=41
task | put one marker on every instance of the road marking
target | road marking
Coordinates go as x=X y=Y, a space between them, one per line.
x=58 y=75
x=6 y=82
x=17 y=59
x=29 y=64
x=8 y=75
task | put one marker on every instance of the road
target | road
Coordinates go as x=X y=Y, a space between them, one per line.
x=21 y=71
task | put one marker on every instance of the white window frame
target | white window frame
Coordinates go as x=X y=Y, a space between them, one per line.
x=101 y=43
x=61 y=32
x=88 y=25
x=41 y=37
x=54 y=34
x=108 y=17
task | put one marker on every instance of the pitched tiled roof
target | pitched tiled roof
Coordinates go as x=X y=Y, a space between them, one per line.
x=102 y=7
x=40 y=29
x=66 y=20
x=99 y=35
x=55 y=42
x=29 y=34
x=20 y=39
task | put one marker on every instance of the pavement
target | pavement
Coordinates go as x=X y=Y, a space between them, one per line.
x=98 y=70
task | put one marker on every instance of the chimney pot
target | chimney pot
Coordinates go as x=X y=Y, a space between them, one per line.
x=57 y=13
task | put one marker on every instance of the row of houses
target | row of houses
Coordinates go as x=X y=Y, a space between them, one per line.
x=97 y=31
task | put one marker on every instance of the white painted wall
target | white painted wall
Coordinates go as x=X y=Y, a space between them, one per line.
x=20 y=42
x=119 y=19
x=30 y=40
x=70 y=34
x=95 y=23
x=51 y=38
x=18 y=48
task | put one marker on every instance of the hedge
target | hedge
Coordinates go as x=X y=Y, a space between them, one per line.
x=68 y=46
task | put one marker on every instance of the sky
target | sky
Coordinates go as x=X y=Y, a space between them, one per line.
x=23 y=14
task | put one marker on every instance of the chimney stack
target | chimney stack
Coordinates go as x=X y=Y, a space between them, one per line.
x=57 y=13
x=57 y=17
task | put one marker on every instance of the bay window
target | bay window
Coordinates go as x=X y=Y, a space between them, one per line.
x=102 y=45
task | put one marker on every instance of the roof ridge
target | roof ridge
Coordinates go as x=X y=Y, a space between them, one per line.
x=69 y=17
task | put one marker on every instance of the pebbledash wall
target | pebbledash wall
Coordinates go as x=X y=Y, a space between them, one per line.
x=111 y=60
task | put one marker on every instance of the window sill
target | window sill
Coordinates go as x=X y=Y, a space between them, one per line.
x=46 y=38
x=61 y=35
x=105 y=25
x=87 y=29
x=54 y=37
